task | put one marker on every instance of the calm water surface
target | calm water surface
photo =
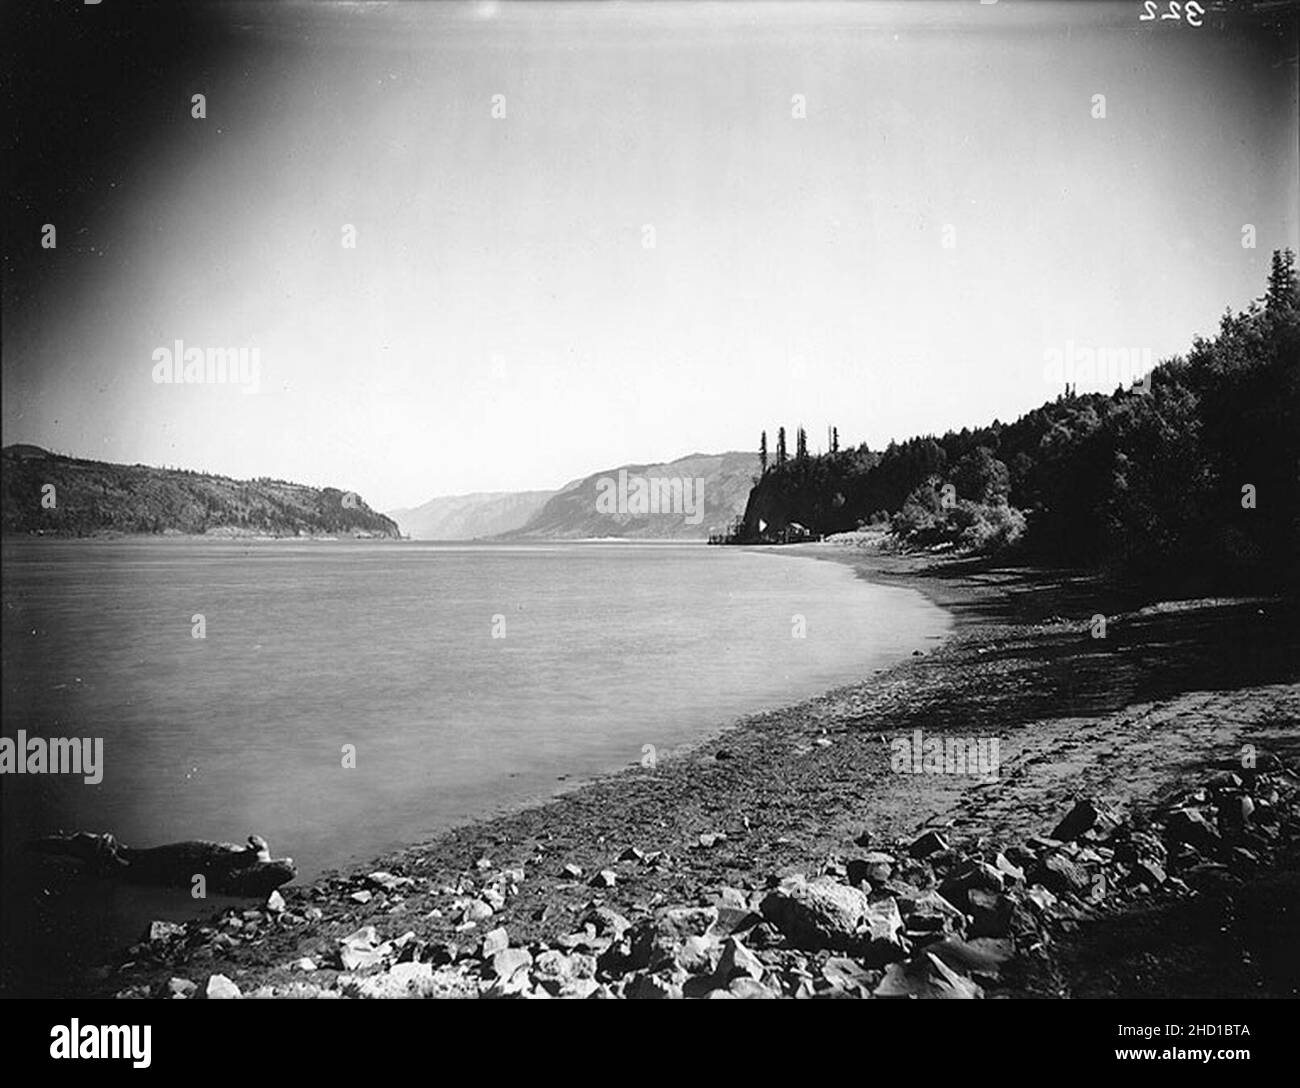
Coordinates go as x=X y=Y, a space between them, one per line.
x=389 y=647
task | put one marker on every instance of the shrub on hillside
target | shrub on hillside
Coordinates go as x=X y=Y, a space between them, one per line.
x=993 y=527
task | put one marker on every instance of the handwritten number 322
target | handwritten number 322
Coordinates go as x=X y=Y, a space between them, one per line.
x=1191 y=12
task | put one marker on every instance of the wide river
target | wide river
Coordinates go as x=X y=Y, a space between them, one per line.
x=466 y=679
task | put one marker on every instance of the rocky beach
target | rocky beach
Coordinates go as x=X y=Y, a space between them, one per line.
x=1137 y=837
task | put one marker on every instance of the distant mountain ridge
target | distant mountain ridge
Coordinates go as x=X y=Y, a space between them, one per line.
x=470 y=517
x=581 y=509
x=50 y=494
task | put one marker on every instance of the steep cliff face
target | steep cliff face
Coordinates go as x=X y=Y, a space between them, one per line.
x=470 y=517
x=686 y=499
x=49 y=494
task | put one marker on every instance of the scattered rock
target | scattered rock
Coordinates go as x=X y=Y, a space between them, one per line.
x=681 y=922
x=657 y=942
x=403 y=980
x=493 y=942
x=733 y=920
x=1087 y=815
x=749 y=989
x=982 y=958
x=875 y=868
x=732 y=897
x=221 y=988
x=1149 y=871
x=386 y=881
x=820 y=914
x=362 y=949
x=164 y=931
x=1040 y=898
x=564 y=975
x=698 y=955
x=931 y=903
x=1059 y=874
x=737 y=960
x=990 y=913
x=848 y=976
x=1008 y=870
x=927 y=977
x=929 y=843
x=606 y=922
x=652 y=987
x=509 y=961
x=1189 y=825
x=973 y=875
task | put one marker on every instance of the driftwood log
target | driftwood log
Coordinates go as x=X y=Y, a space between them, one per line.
x=227 y=868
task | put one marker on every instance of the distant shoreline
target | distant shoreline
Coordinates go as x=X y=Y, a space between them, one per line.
x=214 y=537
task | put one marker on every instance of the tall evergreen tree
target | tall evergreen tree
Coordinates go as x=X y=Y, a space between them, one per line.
x=1283 y=291
x=780 y=446
x=801 y=445
x=762 y=452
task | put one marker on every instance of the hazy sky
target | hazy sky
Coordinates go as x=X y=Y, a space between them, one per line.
x=501 y=323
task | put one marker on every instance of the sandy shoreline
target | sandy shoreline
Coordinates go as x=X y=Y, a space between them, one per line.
x=1168 y=695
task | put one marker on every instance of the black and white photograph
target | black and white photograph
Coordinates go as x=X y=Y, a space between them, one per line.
x=606 y=501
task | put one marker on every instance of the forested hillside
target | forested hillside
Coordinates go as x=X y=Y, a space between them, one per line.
x=50 y=494
x=1192 y=475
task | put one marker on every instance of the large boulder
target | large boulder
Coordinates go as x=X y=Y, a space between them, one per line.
x=927 y=845
x=990 y=912
x=1059 y=874
x=930 y=912
x=1189 y=825
x=1087 y=815
x=657 y=942
x=824 y=913
x=973 y=875
x=219 y=987
x=927 y=976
